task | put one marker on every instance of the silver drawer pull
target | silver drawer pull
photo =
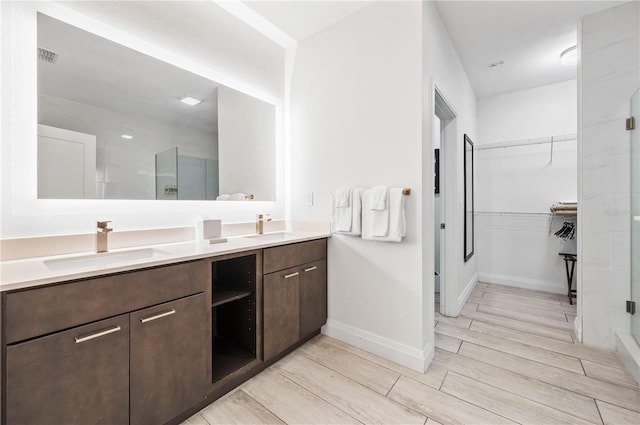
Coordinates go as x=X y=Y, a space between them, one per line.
x=80 y=339
x=310 y=269
x=287 y=276
x=157 y=316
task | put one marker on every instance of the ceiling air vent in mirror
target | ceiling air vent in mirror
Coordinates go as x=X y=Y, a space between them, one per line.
x=47 y=55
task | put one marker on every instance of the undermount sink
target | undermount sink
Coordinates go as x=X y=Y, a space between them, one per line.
x=103 y=258
x=276 y=236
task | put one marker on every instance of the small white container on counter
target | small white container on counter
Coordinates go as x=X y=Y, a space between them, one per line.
x=210 y=230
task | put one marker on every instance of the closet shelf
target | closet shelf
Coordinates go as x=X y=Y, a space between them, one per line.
x=527 y=142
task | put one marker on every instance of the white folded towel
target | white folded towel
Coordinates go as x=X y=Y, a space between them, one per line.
x=342 y=197
x=375 y=220
x=240 y=196
x=396 y=222
x=347 y=220
x=378 y=198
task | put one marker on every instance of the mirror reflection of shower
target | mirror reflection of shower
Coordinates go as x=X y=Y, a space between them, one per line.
x=185 y=177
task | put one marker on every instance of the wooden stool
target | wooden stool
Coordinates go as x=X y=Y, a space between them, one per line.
x=570 y=258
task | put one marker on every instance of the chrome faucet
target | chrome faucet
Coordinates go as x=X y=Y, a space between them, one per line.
x=260 y=220
x=102 y=241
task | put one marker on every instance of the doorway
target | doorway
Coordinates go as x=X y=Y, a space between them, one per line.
x=444 y=127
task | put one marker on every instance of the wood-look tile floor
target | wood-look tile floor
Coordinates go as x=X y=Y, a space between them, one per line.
x=509 y=358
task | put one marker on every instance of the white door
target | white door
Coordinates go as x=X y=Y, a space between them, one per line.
x=66 y=164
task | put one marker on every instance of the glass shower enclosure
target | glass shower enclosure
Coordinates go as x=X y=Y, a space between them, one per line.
x=635 y=215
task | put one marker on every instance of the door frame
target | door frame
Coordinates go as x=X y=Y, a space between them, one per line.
x=448 y=134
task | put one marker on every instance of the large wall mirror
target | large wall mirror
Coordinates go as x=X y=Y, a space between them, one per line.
x=114 y=123
x=468 y=199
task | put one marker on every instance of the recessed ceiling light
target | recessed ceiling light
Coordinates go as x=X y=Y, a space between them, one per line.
x=569 y=57
x=127 y=136
x=191 y=101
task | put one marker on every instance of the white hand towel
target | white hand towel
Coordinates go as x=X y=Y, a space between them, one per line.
x=378 y=198
x=356 y=207
x=396 y=219
x=375 y=221
x=223 y=197
x=343 y=197
x=342 y=212
x=356 y=218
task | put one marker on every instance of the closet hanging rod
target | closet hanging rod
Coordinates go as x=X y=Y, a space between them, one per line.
x=527 y=142
x=516 y=213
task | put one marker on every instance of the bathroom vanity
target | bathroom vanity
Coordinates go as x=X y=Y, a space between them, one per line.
x=152 y=343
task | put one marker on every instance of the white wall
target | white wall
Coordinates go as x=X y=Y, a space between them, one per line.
x=520 y=249
x=247 y=129
x=198 y=36
x=610 y=74
x=442 y=69
x=357 y=109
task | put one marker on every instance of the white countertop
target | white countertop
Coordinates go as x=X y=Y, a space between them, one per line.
x=31 y=272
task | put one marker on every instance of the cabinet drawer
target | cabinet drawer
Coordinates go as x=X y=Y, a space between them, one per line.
x=41 y=311
x=286 y=256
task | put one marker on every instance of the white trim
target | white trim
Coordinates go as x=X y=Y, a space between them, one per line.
x=397 y=352
x=258 y=22
x=462 y=299
x=521 y=282
x=629 y=351
x=577 y=328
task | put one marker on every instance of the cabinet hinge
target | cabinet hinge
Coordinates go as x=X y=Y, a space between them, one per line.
x=442 y=226
x=631 y=307
x=630 y=123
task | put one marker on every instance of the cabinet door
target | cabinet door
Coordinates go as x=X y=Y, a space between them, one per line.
x=313 y=297
x=281 y=311
x=79 y=376
x=168 y=359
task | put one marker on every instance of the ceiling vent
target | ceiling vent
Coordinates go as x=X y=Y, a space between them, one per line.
x=47 y=55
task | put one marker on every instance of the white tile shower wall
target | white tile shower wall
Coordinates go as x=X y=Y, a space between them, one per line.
x=520 y=249
x=610 y=75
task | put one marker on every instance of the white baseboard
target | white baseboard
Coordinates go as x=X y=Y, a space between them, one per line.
x=397 y=352
x=464 y=296
x=629 y=352
x=521 y=282
x=577 y=328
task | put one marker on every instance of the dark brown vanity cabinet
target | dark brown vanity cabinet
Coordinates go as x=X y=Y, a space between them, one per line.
x=313 y=297
x=295 y=294
x=79 y=376
x=168 y=359
x=281 y=311
x=141 y=358
x=235 y=319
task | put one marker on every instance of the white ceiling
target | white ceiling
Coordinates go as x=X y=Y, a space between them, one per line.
x=94 y=71
x=301 y=18
x=527 y=35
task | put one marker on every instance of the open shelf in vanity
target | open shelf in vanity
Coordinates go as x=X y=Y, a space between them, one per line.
x=234 y=318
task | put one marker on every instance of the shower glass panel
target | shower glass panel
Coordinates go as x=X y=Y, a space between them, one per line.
x=167 y=174
x=635 y=215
